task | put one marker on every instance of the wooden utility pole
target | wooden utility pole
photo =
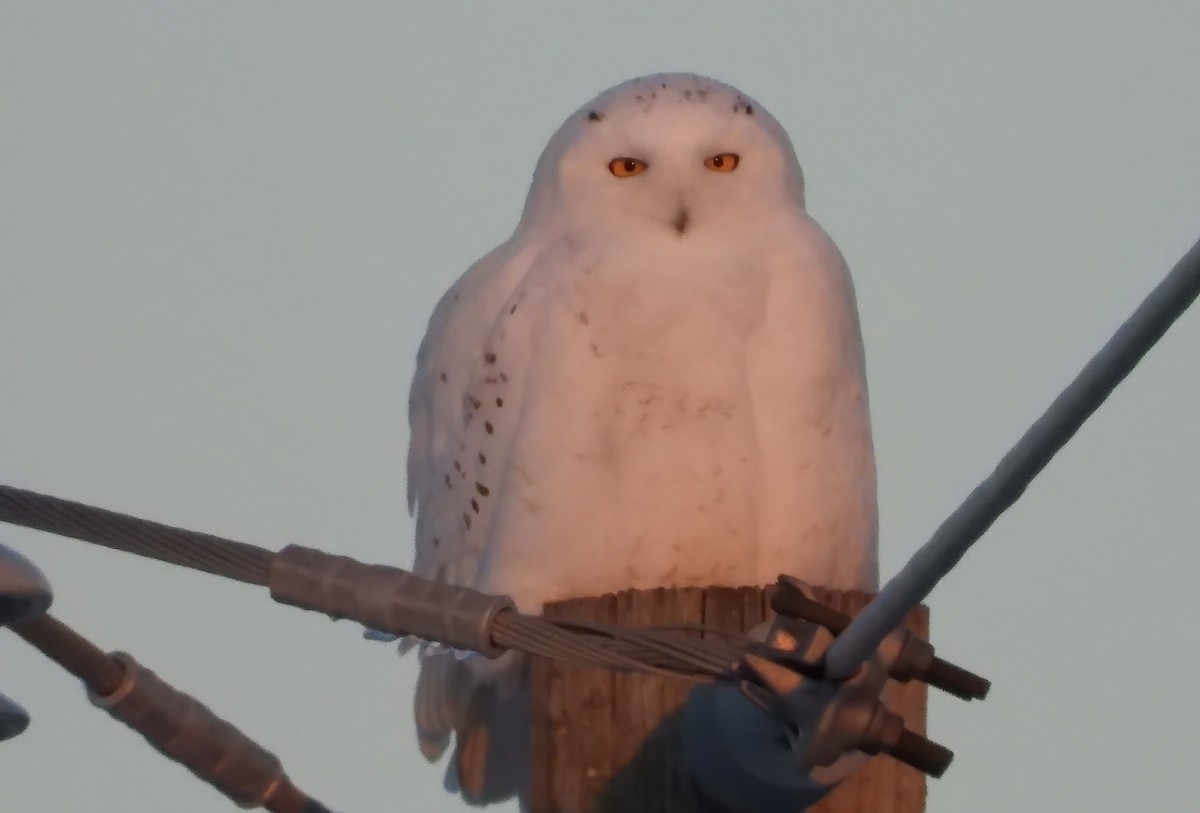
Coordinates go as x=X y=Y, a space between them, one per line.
x=606 y=742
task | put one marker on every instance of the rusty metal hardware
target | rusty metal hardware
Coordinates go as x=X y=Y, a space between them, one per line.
x=906 y=656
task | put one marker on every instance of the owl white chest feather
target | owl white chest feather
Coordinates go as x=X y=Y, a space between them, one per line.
x=686 y=414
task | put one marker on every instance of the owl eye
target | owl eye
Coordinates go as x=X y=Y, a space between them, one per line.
x=626 y=167
x=724 y=162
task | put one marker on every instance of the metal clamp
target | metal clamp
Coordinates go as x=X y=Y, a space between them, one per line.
x=13 y=719
x=24 y=591
x=387 y=599
x=24 y=594
x=905 y=656
x=853 y=717
x=786 y=733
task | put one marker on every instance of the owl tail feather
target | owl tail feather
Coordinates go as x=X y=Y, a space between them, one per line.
x=435 y=705
x=490 y=721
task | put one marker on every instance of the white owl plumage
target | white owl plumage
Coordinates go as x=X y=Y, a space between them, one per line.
x=658 y=380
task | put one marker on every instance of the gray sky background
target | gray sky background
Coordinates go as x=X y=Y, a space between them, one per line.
x=223 y=225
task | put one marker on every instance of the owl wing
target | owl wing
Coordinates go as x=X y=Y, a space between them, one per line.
x=441 y=407
x=463 y=410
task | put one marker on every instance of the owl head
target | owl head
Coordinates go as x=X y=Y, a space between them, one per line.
x=674 y=154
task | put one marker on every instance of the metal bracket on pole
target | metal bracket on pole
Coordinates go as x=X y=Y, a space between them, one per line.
x=905 y=656
x=24 y=594
x=787 y=734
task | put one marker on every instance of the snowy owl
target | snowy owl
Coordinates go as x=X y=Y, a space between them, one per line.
x=658 y=380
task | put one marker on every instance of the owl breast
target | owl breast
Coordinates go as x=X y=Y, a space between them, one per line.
x=680 y=426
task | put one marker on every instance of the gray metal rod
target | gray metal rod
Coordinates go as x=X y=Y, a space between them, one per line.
x=937 y=557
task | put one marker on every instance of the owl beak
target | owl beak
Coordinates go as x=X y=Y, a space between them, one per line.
x=682 y=218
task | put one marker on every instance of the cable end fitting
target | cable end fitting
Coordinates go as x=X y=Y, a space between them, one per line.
x=387 y=599
x=185 y=730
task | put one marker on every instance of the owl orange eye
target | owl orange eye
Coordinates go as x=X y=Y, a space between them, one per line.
x=626 y=167
x=725 y=162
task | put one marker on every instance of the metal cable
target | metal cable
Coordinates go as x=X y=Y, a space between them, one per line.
x=200 y=551
x=654 y=651
x=537 y=636
x=609 y=647
x=667 y=649
x=72 y=652
x=1082 y=397
x=177 y=725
